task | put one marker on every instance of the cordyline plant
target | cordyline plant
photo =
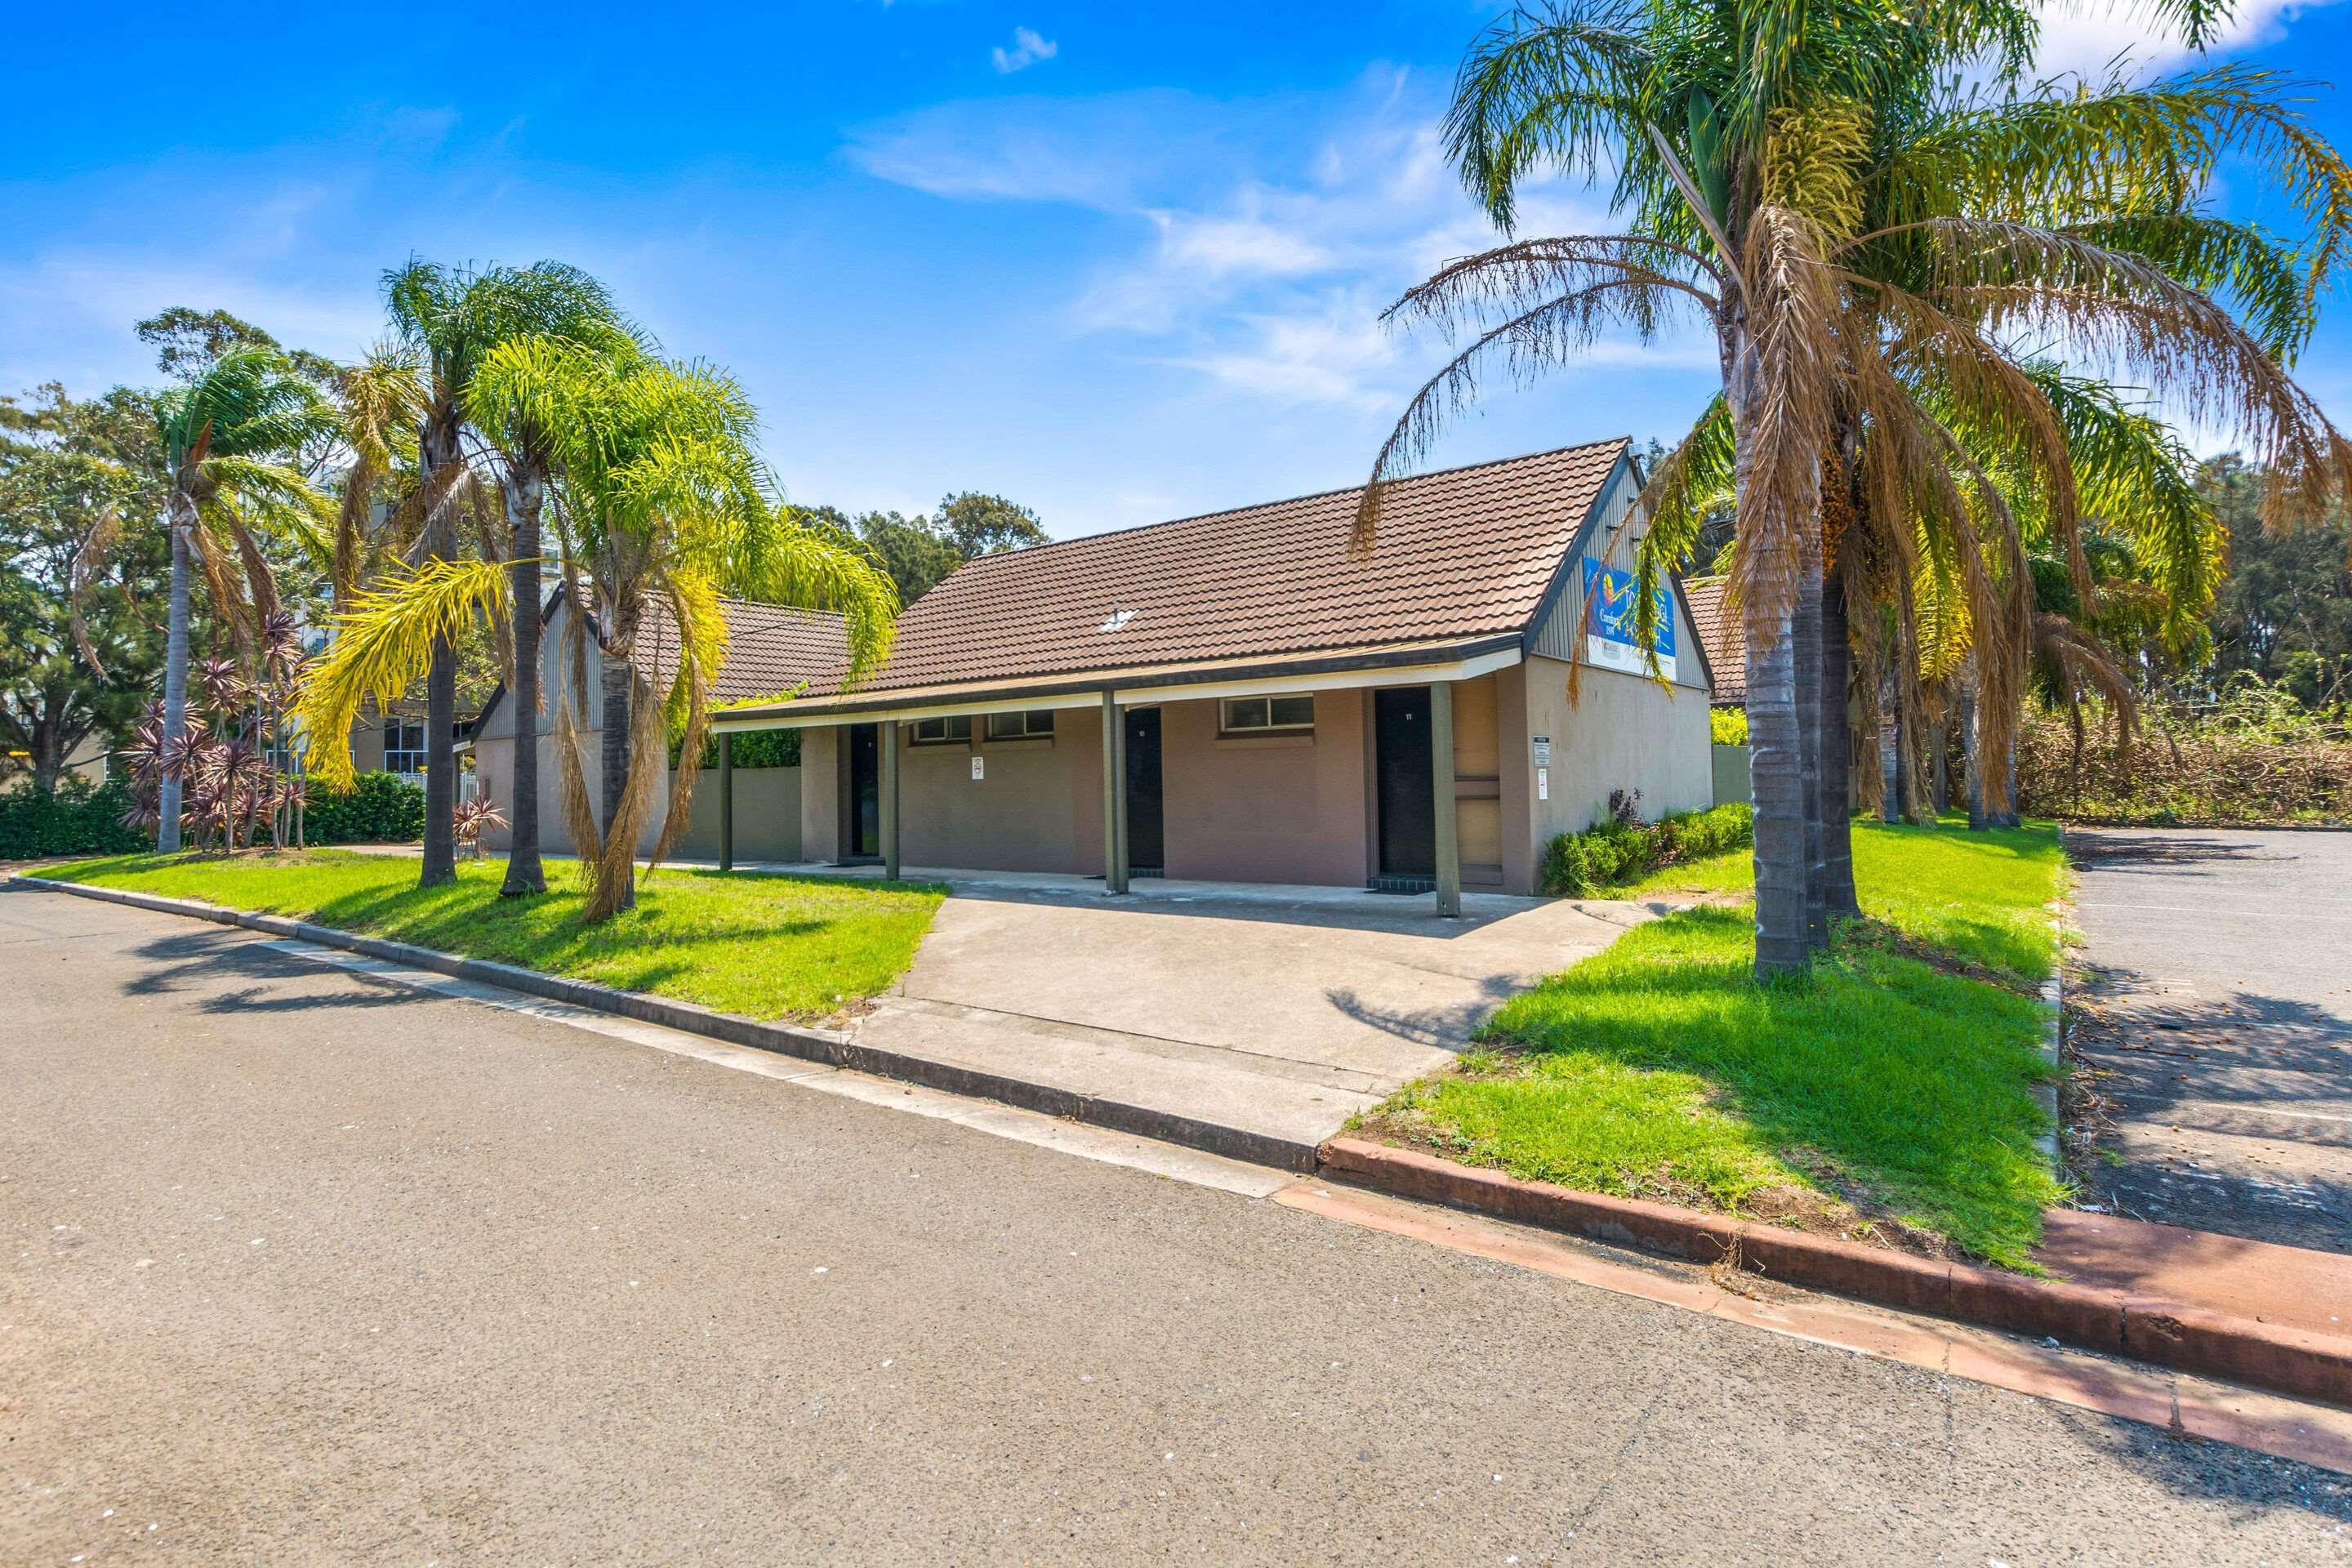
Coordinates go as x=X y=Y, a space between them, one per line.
x=657 y=496
x=220 y=762
x=1866 y=248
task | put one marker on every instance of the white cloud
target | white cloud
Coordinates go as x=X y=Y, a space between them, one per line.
x=2093 y=36
x=1028 y=49
x=1267 y=238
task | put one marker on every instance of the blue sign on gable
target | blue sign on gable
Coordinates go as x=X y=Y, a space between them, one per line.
x=1611 y=597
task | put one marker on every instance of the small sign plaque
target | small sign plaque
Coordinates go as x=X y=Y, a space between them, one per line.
x=1543 y=751
x=1543 y=783
x=979 y=767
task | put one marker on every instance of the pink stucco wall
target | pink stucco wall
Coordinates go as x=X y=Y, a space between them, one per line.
x=1275 y=810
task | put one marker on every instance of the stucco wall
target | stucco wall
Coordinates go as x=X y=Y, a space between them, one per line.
x=767 y=815
x=1623 y=731
x=1279 y=809
x=1037 y=806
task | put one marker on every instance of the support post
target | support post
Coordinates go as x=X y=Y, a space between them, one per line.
x=887 y=734
x=727 y=802
x=1441 y=768
x=1114 y=765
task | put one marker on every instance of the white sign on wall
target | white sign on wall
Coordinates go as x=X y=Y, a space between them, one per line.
x=979 y=766
x=1543 y=783
x=1543 y=751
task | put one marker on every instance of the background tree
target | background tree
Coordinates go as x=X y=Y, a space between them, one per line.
x=68 y=469
x=918 y=553
x=2283 y=611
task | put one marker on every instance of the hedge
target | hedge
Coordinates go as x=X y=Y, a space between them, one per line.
x=80 y=818
x=1584 y=865
x=379 y=808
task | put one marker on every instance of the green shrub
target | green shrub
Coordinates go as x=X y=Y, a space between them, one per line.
x=80 y=818
x=379 y=808
x=1584 y=865
x=1727 y=726
x=753 y=749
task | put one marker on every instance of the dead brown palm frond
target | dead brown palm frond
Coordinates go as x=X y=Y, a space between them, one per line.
x=1512 y=279
x=88 y=563
x=1785 y=396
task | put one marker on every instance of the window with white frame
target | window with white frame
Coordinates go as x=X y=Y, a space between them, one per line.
x=954 y=730
x=1036 y=724
x=404 y=746
x=1266 y=715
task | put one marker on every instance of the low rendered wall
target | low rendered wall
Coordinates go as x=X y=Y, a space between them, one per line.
x=1733 y=786
x=767 y=815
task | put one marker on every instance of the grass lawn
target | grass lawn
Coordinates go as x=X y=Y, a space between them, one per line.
x=1889 y=1093
x=770 y=947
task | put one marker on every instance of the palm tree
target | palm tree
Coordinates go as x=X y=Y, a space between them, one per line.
x=561 y=304
x=1743 y=145
x=225 y=435
x=659 y=499
x=451 y=318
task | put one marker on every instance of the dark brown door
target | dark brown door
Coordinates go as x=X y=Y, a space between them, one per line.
x=864 y=839
x=1147 y=848
x=1407 y=793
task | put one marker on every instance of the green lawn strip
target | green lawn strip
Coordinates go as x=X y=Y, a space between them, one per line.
x=1983 y=897
x=768 y=947
x=1895 y=1082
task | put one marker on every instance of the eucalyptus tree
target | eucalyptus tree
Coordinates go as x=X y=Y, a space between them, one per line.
x=225 y=437
x=451 y=318
x=1744 y=136
x=659 y=499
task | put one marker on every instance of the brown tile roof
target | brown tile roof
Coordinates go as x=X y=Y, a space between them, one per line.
x=1462 y=554
x=1720 y=633
x=770 y=649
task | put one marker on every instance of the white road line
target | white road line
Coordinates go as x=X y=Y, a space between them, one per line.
x=1098 y=1143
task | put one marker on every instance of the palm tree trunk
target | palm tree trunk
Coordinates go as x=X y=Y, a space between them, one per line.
x=1971 y=754
x=618 y=679
x=175 y=688
x=1940 y=776
x=525 y=493
x=1890 y=743
x=439 y=450
x=1835 y=774
x=1776 y=757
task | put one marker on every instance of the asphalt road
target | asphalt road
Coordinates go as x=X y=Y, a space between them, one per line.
x=304 y=1268
x=2220 y=1014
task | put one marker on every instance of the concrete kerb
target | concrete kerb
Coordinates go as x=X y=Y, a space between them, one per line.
x=2186 y=1339
x=2054 y=1042
x=832 y=1047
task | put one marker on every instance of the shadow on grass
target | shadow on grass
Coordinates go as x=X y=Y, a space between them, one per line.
x=1906 y=1088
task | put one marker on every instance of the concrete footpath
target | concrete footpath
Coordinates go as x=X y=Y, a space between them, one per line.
x=306 y=1266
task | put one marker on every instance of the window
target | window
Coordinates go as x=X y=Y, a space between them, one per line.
x=1036 y=724
x=949 y=731
x=404 y=746
x=1267 y=716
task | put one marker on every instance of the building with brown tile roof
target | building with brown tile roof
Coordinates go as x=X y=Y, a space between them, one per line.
x=1719 y=634
x=1241 y=696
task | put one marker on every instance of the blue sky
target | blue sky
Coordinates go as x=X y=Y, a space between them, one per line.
x=1119 y=264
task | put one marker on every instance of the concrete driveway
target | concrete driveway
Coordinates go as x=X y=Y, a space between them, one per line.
x=2220 y=1016
x=1280 y=1011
